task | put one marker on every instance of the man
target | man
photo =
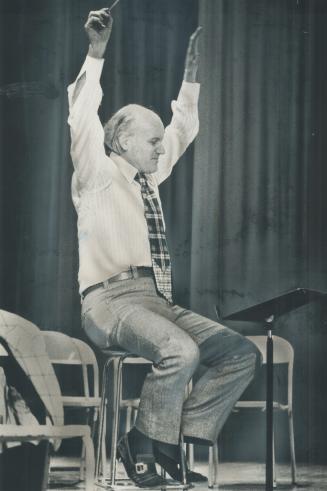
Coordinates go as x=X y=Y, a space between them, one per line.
x=124 y=273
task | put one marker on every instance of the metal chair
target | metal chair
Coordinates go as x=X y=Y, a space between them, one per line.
x=21 y=433
x=68 y=351
x=283 y=354
x=117 y=359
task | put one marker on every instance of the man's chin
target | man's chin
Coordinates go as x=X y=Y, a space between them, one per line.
x=153 y=168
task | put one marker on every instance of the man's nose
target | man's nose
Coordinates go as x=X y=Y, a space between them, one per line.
x=161 y=149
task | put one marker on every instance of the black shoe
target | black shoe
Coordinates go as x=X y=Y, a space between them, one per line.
x=142 y=472
x=174 y=468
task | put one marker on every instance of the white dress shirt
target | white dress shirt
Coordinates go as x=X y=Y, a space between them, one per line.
x=112 y=230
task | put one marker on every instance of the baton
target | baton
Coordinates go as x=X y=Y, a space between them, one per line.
x=96 y=24
x=113 y=5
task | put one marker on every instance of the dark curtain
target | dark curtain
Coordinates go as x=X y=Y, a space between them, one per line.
x=259 y=199
x=245 y=214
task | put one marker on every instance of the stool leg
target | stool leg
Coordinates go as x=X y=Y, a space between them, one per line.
x=210 y=468
x=129 y=412
x=100 y=453
x=118 y=368
x=134 y=416
x=183 y=463
x=274 y=463
x=100 y=430
x=104 y=441
x=189 y=446
x=215 y=464
x=190 y=455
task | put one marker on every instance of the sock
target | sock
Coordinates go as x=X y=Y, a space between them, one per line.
x=197 y=441
x=169 y=449
x=139 y=443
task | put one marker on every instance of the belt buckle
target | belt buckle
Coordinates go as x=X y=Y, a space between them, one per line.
x=134 y=272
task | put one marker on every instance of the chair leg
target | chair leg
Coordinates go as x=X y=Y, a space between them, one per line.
x=118 y=368
x=292 y=447
x=89 y=462
x=213 y=466
x=274 y=463
x=92 y=424
x=46 y=469
x=82 y=463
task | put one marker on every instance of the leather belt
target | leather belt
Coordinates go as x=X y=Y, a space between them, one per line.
x=132 y=274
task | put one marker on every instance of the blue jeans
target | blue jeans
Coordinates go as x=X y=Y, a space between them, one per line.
x=130 y=314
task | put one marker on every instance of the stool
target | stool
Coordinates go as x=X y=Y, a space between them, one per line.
x=116 y=358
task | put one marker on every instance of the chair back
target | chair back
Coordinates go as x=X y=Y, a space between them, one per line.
x=283 y=353
x=283 y=350
x=65 y=350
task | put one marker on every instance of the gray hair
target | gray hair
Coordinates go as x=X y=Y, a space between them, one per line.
x=121 y=123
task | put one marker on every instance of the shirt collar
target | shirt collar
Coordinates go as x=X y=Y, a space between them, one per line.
x=128 y=170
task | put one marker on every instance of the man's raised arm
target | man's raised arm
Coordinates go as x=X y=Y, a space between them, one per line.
x=84 y=95
x=184 y=125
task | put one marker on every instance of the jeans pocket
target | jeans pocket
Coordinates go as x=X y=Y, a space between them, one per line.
x=99 y=325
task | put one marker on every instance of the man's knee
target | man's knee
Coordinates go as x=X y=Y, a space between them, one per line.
x=251 y=348
x=245 y=348
x=228 y=344
x=182 y=356
x=190 y=355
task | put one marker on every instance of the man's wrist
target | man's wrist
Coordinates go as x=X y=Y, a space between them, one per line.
x=97 y=50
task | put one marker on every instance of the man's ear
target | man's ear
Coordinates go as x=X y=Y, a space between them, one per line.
x=124 y=142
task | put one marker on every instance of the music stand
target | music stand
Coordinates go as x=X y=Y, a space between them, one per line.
x=267 y=312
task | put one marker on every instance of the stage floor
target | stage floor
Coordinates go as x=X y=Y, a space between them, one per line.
x=232 y=477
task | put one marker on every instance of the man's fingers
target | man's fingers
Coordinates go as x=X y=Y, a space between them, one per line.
x=100 y=12
x=94 y=21
x=98 y=18
x=102 y=16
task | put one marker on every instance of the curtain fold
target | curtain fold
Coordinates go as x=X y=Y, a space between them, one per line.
x=259 y=201
x=254 y=198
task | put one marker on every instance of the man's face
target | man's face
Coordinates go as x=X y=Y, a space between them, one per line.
x=144 y=144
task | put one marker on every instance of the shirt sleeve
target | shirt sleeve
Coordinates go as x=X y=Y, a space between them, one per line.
x=182 y=129
x=87 y=134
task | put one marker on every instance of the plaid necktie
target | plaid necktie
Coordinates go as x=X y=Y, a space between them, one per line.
x=158 y=244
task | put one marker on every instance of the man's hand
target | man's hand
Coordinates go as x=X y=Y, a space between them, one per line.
x=98 y=28
x=192 y=57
